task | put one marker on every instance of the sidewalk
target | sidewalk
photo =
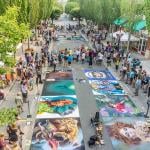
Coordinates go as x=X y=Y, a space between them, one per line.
x=32 y=97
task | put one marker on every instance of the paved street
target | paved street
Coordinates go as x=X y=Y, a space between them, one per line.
x=87 y=103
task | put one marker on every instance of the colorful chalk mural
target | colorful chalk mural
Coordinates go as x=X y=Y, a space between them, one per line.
x=57 y=134
x=92 y=74
x=59 y=75
x=128 y=133
x=124 y=121
x=105 y=87
x=117 y=105
x=57 y=107
x=58 y=87
x=57 y=125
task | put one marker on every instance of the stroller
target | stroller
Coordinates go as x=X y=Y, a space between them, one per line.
x=95 y=120
x=135 y=62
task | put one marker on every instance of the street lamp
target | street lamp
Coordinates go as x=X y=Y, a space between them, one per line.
x=119 y=35
x=148 y=105
x=29 y=116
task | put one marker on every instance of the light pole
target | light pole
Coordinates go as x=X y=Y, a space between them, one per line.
x=119 y=35
x=29 y=116
x=148 y=103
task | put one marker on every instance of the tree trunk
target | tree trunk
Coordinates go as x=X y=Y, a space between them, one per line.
x=79 y=21
x=112 y=30
x=52 y=21
x=14 y=55
x=128 y=45
x=35 y=32
x=22 y=45
x=29 y=43
x=99 y=26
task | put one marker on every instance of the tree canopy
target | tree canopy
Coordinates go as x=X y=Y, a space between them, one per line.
x=17 y=17
x=104 y=12
x=11 y=32
x=57 y=10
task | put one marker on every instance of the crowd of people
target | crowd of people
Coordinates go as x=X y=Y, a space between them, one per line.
x=130 y=69
x=29 y=70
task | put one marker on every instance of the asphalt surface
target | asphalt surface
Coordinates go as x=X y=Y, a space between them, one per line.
x=87 y=103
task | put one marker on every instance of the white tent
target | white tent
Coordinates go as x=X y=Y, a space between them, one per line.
x=124 y=36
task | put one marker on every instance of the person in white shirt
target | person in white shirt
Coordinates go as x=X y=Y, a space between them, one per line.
x=83 y=57
x=77 y=55
x=100 y=57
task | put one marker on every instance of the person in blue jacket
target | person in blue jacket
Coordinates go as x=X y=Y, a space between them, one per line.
x=69 y=59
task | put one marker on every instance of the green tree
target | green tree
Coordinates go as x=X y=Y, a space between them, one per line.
x=130 y=12
x=11 y=32
x=101 y=12
x=56 y=11
x=75 y=12
x=71 y=5
x=146 y=13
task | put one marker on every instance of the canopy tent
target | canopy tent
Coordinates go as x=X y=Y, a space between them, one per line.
x=124 y=36
x=140 y=25
x=119 y=21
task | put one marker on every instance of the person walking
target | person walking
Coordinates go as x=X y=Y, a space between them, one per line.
x=19 y=102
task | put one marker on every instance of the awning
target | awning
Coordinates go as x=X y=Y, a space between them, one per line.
x=139 y=25
x=120 y=21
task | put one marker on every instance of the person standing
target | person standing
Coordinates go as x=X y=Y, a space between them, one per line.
x=60 y=58
x=90 y=58
x=83 y=57
x=70 y=59
x=39 y=74
x=19 y=102
x=65 y=59
x=77 y=54
x=108 y=60
x=137 y=86
x=117 y=65
x=54 y=65
x=3 y=144
x=24 y=91
x=132 y=75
